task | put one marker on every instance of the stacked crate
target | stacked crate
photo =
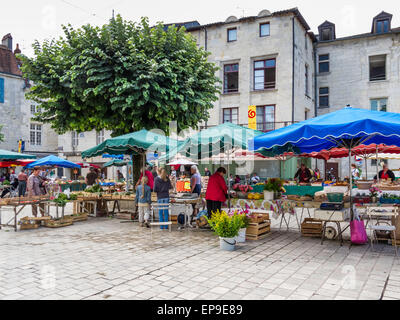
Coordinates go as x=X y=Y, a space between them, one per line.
x=259 y=227
x=311 y=228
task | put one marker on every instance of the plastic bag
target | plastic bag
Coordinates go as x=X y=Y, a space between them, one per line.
x=358 y=232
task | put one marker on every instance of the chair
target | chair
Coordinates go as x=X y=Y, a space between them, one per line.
x=161 y=206
x=375 y=229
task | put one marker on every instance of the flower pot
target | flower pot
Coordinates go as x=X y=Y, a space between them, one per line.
x=241 y=238
x=227 y=244
x=268 y=195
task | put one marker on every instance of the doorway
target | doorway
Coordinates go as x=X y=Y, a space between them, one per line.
x=334 y=167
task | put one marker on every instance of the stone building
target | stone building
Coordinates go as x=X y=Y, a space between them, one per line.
x=16 y=112
x=362 y=71
x=71 y=145
x=265 y=61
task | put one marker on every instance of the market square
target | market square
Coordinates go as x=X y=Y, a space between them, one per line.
x=250 y=156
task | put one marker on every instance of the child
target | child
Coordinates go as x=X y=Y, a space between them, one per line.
x=143 y=199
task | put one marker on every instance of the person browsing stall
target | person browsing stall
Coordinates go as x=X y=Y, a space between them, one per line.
x=22 y=179
x=34 y=190
x=150 y=178
x=91 y=177
x=216 y=192
x=162 y=185
x=143 y=200
x=303 y=174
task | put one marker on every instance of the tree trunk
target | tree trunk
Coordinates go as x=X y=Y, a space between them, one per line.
x=137 y=165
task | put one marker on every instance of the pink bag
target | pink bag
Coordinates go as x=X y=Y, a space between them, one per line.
x=358 y=233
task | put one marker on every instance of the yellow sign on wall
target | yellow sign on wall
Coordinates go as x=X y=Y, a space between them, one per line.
x=252 y=117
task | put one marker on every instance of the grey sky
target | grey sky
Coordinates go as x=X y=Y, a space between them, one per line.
x=28 y=20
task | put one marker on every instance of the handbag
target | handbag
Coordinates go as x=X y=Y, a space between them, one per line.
x=358 y=232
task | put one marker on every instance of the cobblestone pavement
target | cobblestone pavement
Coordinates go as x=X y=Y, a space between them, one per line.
x=104 y=259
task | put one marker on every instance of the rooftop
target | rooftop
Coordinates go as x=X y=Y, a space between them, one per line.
x=8 y=62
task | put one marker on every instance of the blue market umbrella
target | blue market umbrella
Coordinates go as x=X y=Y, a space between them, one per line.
x=346 y=128
x=53 y=161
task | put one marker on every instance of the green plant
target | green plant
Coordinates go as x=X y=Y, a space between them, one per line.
x=122 y=76
x=274 y=185
x=6 y=183
x=225 y=226
x=94 y=189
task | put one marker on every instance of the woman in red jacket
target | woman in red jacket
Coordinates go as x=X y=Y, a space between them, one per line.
x=216 y=191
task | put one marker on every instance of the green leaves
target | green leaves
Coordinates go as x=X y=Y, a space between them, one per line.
x=121 y=76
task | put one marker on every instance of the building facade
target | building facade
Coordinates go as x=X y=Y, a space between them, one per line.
x=265 y=61
x=362 y=71
x=16 y=112
x=72 y=144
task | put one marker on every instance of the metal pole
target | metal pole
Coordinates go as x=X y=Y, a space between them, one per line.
x=229 y=183
x=366 y=167
x=377 y=168
x=351 y=187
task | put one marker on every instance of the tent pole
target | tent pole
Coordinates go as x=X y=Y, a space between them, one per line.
x=229 y=184
x=377 y=168
x=127 y=178
x=366 y=168
x=351 y=186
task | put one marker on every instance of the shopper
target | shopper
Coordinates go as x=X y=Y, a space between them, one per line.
x=216 y=191
x=162 y=185
x=91 y=177
x=143 y=200
x=22 y=180
x=255 y=178
x=34 y=190
x=150 y=179
x=207 y=172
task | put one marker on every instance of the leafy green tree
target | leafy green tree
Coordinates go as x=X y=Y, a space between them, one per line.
x=121 y=77
x=1 y=135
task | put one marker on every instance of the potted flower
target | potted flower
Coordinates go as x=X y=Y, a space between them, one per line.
x=374 y=194
x=244 y=215
x=273 y=188
x=226 y=227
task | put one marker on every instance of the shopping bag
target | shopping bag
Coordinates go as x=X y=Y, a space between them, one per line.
x=358 y=233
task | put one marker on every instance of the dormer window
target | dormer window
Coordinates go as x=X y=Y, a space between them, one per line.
x=327 y=31
x=382 y=26
x=382 y=23
x=326 y=34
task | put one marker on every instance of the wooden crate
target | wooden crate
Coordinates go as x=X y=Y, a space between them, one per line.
x=79 y=217
x=259 y=217
x=257 y=231
x=59 y=223
x=311 y=228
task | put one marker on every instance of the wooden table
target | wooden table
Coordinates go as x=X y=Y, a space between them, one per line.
x=17 y=207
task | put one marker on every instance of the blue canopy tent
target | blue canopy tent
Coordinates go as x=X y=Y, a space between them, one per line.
x=346 y=128
x=53 y=161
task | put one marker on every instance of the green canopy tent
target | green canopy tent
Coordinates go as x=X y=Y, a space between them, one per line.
x=136 y=143
x=115 y=163
x=206 y=143
x=6 y=155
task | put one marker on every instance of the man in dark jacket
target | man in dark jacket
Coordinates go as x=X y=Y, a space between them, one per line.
x=304 y=174
x=386 y=174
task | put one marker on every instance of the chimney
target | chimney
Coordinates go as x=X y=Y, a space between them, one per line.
x=17 y=49
x=8 y=41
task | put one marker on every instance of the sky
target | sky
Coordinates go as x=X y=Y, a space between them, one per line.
x=29 y=20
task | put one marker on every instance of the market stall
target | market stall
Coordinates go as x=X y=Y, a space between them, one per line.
x=347 y=128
